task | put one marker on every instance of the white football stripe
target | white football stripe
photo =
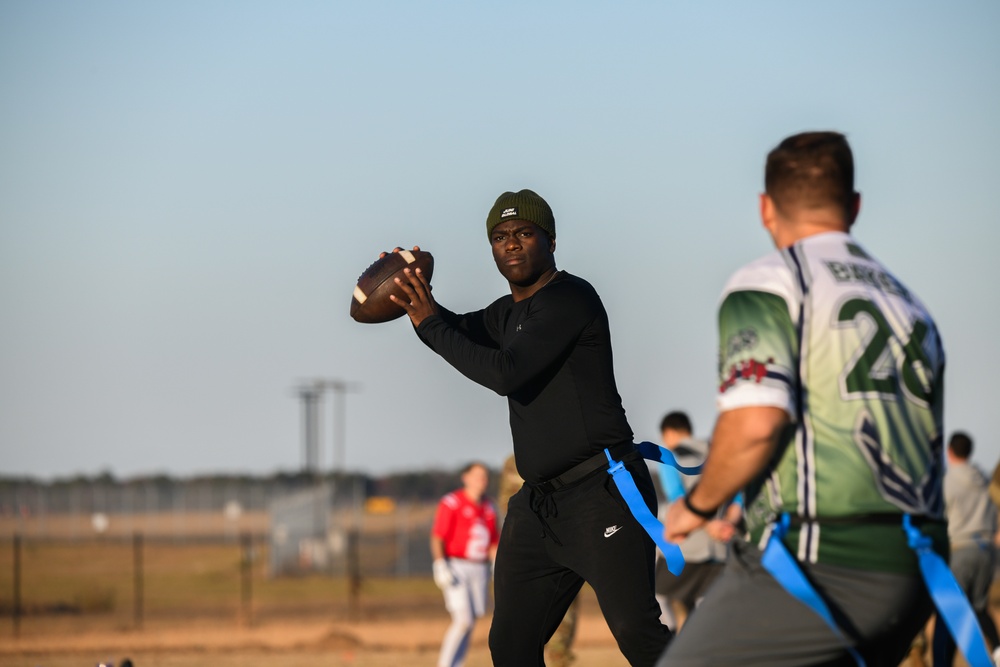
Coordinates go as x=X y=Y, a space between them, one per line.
x=408 y=256
x=359 y=295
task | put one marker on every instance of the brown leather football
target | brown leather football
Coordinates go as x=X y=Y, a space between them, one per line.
x=370 y=303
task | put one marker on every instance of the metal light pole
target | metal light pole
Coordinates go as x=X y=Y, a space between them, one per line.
x=340 y=389
x=310 y=393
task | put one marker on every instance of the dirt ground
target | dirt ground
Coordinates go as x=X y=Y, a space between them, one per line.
x=398 y=641
x=78 y=607
x=287 y=643
x=78 y=598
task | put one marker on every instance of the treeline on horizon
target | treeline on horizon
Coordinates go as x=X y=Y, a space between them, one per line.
x=87 y=492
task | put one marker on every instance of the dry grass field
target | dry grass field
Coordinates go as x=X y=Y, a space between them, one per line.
x=79 y=608
x=78 y=602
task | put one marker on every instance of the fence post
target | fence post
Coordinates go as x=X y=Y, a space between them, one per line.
x=354 y=574
x=403 y=542
x=246 y=584
x=16 y=611
x=137 y=579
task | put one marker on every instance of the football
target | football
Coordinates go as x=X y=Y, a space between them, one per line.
x=370 y=303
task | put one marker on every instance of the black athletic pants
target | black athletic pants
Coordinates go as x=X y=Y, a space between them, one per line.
x=580 y=533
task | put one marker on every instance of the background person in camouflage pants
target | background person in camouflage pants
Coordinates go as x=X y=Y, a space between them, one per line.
x=559 y=649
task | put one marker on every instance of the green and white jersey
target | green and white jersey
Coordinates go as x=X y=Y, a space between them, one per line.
x=825 y=332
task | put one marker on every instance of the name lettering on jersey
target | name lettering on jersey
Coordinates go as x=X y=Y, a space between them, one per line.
x=751 y=369
x=853 y=272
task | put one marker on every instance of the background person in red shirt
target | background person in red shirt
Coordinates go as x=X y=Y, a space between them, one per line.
x=464 y=543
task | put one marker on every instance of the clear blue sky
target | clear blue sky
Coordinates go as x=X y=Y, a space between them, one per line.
x=189 y=191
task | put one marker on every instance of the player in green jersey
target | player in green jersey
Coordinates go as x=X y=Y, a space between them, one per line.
x=830 y=401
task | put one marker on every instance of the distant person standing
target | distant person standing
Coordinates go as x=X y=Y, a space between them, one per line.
x=463 y=544
x=704 y=549
x=972 y=526
x=830 y=407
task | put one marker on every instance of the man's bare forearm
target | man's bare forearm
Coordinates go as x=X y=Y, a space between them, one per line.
x=742 y=444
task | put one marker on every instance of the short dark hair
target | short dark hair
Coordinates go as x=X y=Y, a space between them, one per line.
x=676 y=421
x=474 y=464
x=811 y=170
x=960 y=445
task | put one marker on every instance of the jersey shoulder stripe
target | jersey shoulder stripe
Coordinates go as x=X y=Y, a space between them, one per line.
x=757 y=338
x=769 y=273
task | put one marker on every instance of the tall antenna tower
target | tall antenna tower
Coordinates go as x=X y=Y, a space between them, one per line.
x=311 y=393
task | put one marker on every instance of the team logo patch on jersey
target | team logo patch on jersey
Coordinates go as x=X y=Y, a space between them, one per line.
x=741 y=341
x=509 y=213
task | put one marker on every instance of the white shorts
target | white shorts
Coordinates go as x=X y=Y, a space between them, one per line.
x=469 y=597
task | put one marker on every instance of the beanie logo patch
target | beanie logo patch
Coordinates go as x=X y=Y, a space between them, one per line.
x=509 y=212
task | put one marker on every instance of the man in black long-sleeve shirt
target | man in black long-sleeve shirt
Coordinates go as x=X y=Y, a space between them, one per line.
x=547 y=348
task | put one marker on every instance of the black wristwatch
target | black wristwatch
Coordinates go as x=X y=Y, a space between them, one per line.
x=704 y=514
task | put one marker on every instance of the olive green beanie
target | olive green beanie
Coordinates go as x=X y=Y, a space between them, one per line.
x=523 y=205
